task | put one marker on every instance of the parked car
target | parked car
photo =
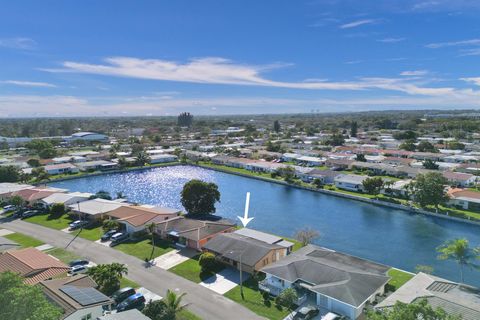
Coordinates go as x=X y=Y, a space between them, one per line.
x=29 y=213
x=333 y=316
x=119 y=236
x=79 y=262
x=9 y=208
x=134 y=301
x=306 y=313
x=122 y=294
x=108 y=235
x=77 y=224
x=77 y=270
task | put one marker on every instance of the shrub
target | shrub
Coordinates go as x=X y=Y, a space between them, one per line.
x=207 y=261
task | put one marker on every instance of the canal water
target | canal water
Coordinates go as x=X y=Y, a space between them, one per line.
x=392 y=237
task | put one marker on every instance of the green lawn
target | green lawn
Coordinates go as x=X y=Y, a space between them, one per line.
x=23 y=240
x=142 y=248
x=46 y=221
x=91 y=232
x=62 y=255
x=254 y=301
x=125 y=282
x=296 y=244
x=399 y=278
x=191 y=270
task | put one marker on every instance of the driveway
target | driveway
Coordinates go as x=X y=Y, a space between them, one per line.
x=203 y=302
x=149 y=295
x=224 y=281
x=173 y=258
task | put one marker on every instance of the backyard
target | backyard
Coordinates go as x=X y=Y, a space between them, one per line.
x=398 y=278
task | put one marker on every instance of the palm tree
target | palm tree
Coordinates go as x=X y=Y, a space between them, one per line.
x=460 y=251
x=108 y=276
x=151 y=230
x=173 y=304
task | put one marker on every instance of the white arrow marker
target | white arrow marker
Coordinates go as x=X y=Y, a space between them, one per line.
x=245 y=220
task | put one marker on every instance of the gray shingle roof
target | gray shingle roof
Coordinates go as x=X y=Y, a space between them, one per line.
x=232 y=245
x=340 y=276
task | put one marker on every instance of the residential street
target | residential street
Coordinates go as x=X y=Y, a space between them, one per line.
x=203 y=302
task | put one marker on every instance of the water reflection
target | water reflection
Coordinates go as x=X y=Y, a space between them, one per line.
x=385 y=235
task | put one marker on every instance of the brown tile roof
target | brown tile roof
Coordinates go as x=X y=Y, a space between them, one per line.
x=457 y=192
x=33 y=194
x=138 y=216
x=32 y=264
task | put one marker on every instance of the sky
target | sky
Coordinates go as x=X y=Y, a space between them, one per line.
x=150 y=58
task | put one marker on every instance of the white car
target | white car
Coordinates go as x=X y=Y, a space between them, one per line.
x=9 y=208
x=77 y=224
x=78 y=269
x=332 y=316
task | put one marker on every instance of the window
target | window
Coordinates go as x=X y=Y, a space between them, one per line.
x=87 y=317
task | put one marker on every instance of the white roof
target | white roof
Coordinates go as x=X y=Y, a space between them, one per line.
x=64 y=197
x=6 y=187
x=258 y=235
x=96 y=206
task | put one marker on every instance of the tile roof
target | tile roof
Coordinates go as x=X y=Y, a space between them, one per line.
x=137 y=216
x=32 y=264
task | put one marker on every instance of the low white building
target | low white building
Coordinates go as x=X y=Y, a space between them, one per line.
x=61 y=168
x=351 y=182
x=162 y=158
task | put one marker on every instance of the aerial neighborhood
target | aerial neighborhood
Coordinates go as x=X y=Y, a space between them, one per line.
x=101 y=253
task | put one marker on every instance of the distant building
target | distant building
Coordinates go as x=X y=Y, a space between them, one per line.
x=351 y=182
x=87 y=136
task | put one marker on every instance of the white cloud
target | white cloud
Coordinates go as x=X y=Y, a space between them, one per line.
x=43 y=106
x=391 y=40
x=470 y=52
x=476 y=81
x=358 y=23
x=17 y=43
x=29 y=83
x=414 y=73
x=469 y=42
x=222 y=71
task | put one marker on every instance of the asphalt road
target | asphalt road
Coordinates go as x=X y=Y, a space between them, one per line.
x=202 y=301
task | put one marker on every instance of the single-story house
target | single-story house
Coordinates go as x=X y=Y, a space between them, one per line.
x=65 y=198
x=7 y=188
x=454 y=298
x=95 y=209
x=465 y=199
x=398 y=188
x=190 y=232
x=32 y=196
x=60 y=168
x=162 y=158
x=311 y=161
x=77 y=296
x=97 y=165
x=32 y=264
x=243 y=252
x=137 y=218
x=125 y=315
x=335 y=282
x=460 y=179
x=350 y=182
x=325 y=176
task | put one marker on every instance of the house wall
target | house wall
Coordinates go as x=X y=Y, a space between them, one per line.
x=82 y=314
x=348 y=186
x=272 y=256
x=337 y=306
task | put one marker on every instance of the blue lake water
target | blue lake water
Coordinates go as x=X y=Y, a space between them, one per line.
x=392 y=237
